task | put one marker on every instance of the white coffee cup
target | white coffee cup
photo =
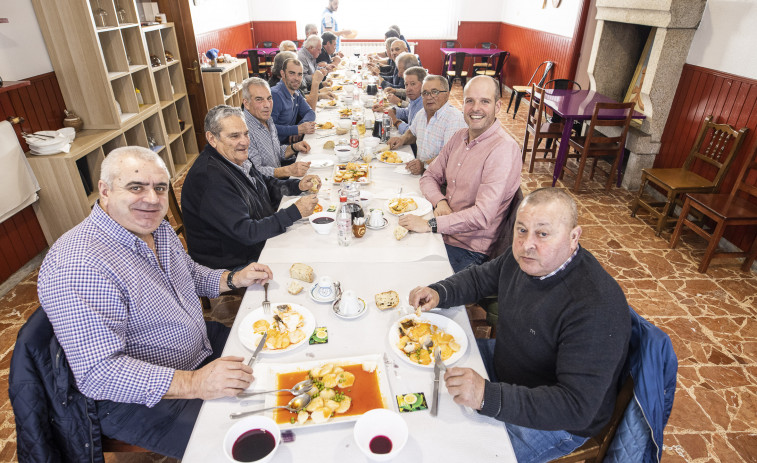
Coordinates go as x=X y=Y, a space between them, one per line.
x=377 y=218
x=325 y=287
x=349 y=305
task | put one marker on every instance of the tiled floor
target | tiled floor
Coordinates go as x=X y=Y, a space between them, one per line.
x=711 y=318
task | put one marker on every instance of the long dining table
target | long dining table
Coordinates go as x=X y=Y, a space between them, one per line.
x=375 y=263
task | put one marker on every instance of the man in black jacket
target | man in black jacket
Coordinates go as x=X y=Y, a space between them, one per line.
x=562 y=333
x=229 y=208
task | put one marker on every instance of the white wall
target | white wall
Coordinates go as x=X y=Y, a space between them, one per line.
x=210 y=15
x=481 y=10
x=582 y=73
x=529 y=13
x=726 y=38
x=22 y=49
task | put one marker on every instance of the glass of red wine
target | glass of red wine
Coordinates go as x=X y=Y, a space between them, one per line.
x=252 y=439
x=380 y=434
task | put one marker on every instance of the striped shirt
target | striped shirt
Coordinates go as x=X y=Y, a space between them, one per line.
x=408 y=114
x=432 y=135
x=562 y=267
x=265 y=151
x=125 y=317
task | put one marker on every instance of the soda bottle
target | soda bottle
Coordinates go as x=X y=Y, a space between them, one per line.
x=354 y=135
x=386 y=126
x=343 y=223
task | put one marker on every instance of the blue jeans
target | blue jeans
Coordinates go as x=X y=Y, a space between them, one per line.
x=460 y=258
x=166 y=427
x=530 y=445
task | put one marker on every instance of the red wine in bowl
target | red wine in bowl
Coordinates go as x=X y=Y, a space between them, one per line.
x=380 y=445
x=253 y=445
x=322 y=220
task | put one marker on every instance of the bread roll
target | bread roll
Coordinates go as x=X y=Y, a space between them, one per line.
x=294 y=287
x=329 y=145
x=301 y=272
x=400 y=232
x=387 y=300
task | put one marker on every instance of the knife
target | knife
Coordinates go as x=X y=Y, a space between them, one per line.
x=437 y=373
x=258 y=349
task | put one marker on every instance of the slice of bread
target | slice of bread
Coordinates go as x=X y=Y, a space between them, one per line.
x=400 y=232
x=302 y=272
x=387 y=300
x=294 y=287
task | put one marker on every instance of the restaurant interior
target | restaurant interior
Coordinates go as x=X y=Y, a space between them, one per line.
x=680 y=61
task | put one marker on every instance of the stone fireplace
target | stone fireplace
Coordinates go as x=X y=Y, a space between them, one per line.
x=623 y=27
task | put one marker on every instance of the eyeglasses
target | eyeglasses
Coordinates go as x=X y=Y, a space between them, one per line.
x=434 y=92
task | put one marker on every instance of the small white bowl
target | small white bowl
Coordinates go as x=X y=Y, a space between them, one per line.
x=380 y=422
x=248 y=424
x=371 y=142
x=344 y=123
x=322 y=228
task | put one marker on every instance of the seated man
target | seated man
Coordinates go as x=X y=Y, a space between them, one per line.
x=312 y=94
x=310 y=50
x=287 y=45
x=310 y=29
x=121 y=295
x=278 y=66
x=487 y=162
x=265 y=151
x=396 y=29
x=432 y=127
x=395 y=79
x=229 y=207
x=328 y=55
x=382 y=62
x=407 y=109
x=291 y=113
x=562 y=334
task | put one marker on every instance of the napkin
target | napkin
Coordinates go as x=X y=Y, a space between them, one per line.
x=401 y=170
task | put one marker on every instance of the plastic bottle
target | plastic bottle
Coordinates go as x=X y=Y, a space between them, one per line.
x=343 y=223
x=354 y=135
x=386 y=126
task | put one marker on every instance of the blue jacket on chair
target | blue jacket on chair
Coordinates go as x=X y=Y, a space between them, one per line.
x=54 y=421
x=653 y=365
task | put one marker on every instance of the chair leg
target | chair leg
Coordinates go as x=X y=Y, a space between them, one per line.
x=613 y=172
x=533 y=153
x=751 y=256
x=517 y=103
x=512 y=95
x=712 y=246
x=580 y=172
x=665 y=211
x=525 y=145
x=635 y=206
x=679 y=225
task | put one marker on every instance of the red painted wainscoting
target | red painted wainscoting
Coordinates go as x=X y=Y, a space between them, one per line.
x=730 y=99
x=229 y=40
x=528 y=48
x=21 y=239
x=274 y=31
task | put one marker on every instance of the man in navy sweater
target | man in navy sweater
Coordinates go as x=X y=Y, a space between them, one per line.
x=562 y=333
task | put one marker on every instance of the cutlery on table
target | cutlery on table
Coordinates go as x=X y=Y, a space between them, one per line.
x=266 y=302
x=258 y=349
x=299 y=388
x=438 y=368
x=294 y=406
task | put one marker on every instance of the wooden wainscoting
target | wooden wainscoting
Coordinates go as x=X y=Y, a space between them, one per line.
x=274 y=31
x=229 y=40
x=528 y=48
x=21 y=239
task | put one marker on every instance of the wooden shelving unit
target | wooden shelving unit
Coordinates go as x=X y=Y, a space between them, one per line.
x=225 y=87
x=101 y=60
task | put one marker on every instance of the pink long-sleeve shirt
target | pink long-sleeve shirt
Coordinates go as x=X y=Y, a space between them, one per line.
x=482 y=177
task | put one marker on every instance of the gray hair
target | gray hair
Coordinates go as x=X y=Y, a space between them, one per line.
x=395 y=28
x=416 y=71
x=407 y=60
x=440 y=79
x=287 y=45
x=217 y=114
x=310 y=27
x=490 y=79
x=550 y=195
x=388 y=42
x=312 y=41
x=249 y=82
x=109 y=169
x=278 y=61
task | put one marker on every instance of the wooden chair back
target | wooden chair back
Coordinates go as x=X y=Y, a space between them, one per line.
x=504 y=238
x=535 y=109
x=598 y=144
x=715 y=145
x=742 y=188
x=175 y=208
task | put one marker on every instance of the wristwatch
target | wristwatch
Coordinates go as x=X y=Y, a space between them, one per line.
x=432 y=224
x=230 y=278
x=294 y=149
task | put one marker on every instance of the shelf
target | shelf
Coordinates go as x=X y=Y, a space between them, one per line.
x=165 y=104
x=173 y=136
x=117 y=75
x=186 y=128
x=178 y=96
x=126 y=117
x=175 y=61
x=158 y=68
x=135 y=68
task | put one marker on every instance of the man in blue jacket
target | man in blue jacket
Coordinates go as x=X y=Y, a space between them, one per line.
x=291 y=113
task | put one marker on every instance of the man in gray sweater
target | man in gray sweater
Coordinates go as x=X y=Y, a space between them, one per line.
x=562 y=333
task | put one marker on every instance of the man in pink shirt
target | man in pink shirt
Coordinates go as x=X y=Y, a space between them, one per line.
x=481 y=167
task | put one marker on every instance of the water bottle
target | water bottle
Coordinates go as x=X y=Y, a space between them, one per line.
x=343 y=223
x=354 y=135
x=386 y=126
x=353 y=201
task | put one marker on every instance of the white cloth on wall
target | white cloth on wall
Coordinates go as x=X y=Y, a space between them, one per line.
x=18 y=185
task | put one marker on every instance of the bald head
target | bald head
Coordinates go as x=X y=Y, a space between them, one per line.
x=483 y=82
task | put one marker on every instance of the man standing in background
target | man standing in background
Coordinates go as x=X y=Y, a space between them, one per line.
x=329 y=23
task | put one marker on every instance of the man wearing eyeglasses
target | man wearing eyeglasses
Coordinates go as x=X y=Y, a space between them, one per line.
x=433 y=127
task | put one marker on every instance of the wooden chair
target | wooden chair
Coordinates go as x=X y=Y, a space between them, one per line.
x=542 y=129
x=596 y=145
x=520 y=90
x=173 y=206
x=715 y=146
x=594 y=449
x=457 y=72
x=448 y=44
x=737 y=208
x=563 y=84
x=498 y=60
x=485 y=62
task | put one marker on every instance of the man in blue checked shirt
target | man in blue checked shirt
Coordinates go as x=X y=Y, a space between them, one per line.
x=291 y=113
x=407 y=109
x=121 y=294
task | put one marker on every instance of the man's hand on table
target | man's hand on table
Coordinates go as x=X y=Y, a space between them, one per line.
x=297 y=169
x=306 y=204
x=390 y=90
x=326 y=95
x=442 y=208
x=465 y=386
x=393 y=99
x=254 y=273
x=306 y=127
x=394 y=142
x=302 y=146
x=223 y=377
x=415 y=167
x=415 y=223
x=424 y=298
x=378 y=108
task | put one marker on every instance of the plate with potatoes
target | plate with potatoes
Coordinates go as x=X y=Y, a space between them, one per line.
x=414 y=339
x=288 y=326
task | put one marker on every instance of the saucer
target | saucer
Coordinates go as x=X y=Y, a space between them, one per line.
x=371 y=227
x=317 y=297
x=363 y=307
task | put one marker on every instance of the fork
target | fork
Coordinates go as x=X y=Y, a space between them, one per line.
x=266 y=302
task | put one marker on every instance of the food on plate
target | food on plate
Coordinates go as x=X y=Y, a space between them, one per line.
x=351 y=172
x=341 y=131
x=325 y=125
x=294 y=288
x=392 y=157
x=316 y=182
x=340 y=390
x=400 y=205
x=331 y=103
x=336 y=88
x=418 y=338
x=400 y=232
x=387 y=300
x=284 y=329
x=329 y=145
x=302 y=272
x=346 y=112
x=318 y=207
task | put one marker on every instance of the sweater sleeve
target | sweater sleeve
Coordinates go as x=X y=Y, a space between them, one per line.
x=471 y=284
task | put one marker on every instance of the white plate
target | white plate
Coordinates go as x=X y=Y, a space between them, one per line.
x=449 y=326
x=250 y=340
x=318 y=298
x=277 y=368
x=406 y=157
x=424 y=206
x=318 y=163
x=360 y=312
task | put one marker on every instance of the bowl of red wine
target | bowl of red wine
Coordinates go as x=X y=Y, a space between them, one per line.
x=254 y=438
x=322 y=222
x=380 y=434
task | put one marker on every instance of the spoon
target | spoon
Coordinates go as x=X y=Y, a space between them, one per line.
x=294 y=406
x=299 y=388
